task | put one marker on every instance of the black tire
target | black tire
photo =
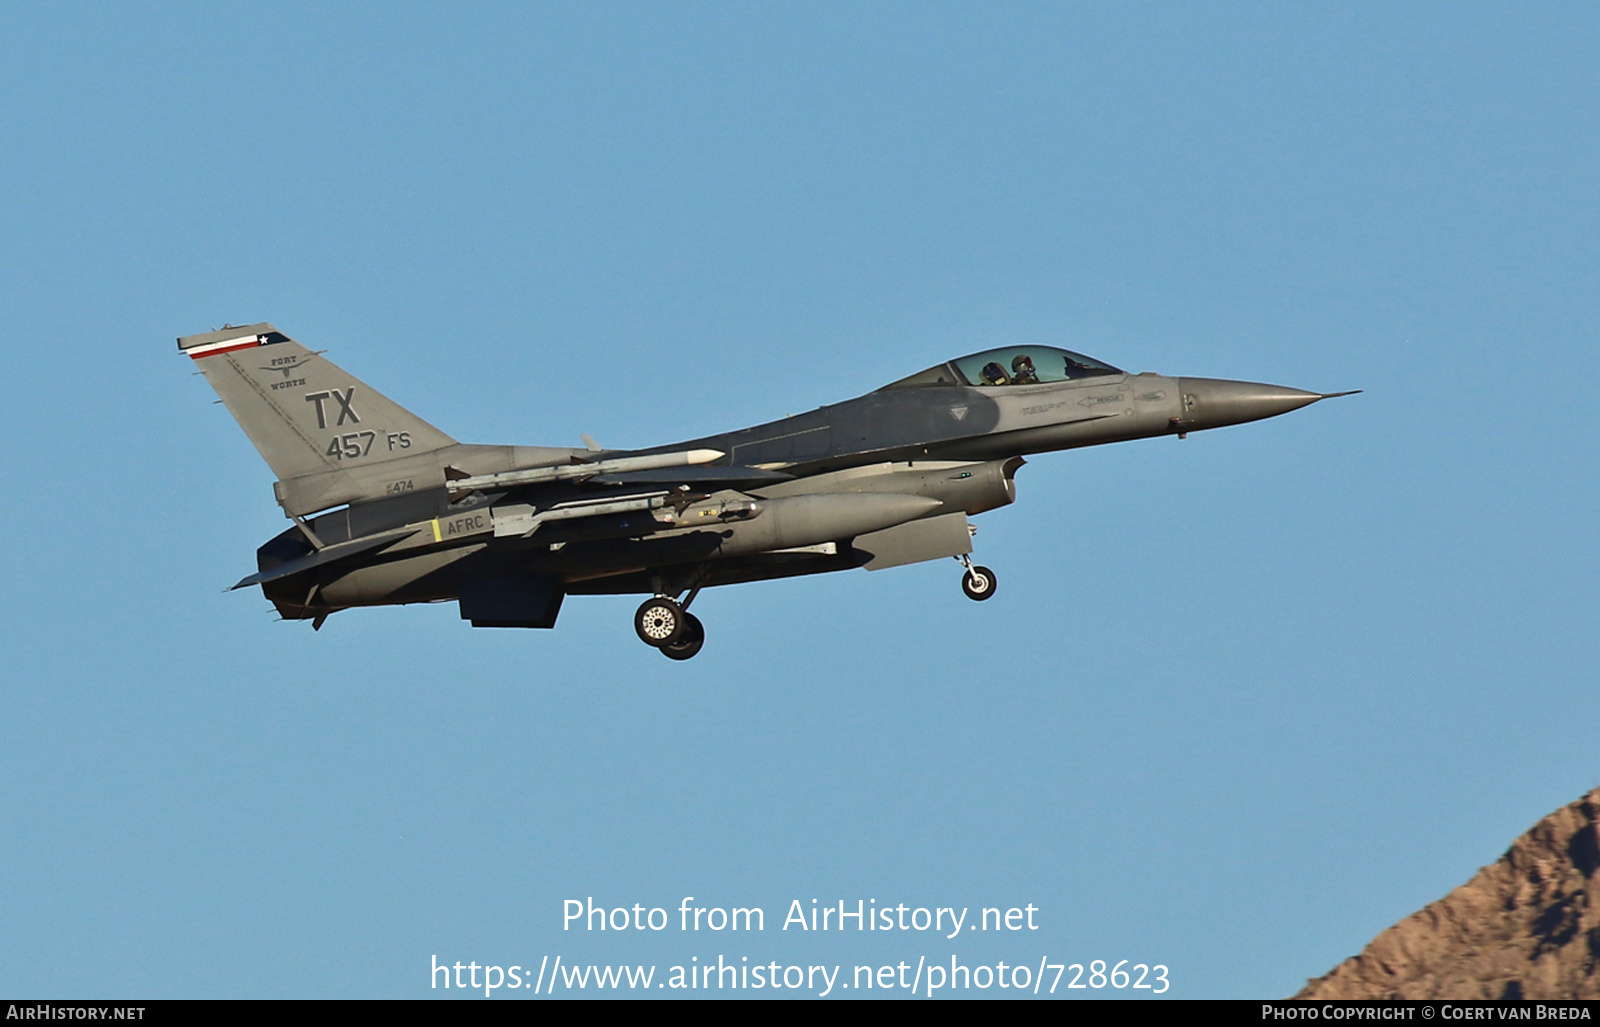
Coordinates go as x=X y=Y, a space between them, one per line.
x=659 y=622
x=979 y=584
x=694 y=636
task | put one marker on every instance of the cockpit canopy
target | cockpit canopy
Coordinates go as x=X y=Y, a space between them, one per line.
x=1011 y=365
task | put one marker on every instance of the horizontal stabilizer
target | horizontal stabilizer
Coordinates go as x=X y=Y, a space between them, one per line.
x=326 y=555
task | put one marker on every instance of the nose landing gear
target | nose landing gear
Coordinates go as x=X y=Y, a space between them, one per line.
x=979 y=582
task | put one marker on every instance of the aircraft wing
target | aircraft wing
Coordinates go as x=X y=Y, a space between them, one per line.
x=325 y=555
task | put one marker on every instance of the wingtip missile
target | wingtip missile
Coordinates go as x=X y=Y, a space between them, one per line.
x=586 y=469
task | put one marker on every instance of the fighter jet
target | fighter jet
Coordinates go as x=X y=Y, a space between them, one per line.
x=388 y=509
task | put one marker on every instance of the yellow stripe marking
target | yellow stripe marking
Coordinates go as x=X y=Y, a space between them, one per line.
x=436 y=536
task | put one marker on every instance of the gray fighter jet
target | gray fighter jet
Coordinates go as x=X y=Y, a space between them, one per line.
x=388 y=509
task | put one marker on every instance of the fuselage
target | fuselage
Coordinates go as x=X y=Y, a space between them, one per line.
x=944 y=442
x=957 y=422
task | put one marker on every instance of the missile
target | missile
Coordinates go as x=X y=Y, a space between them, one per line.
x=584 y=469
x=521 y=520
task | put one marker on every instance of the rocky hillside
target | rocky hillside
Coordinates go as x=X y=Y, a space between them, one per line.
x=1526 y=926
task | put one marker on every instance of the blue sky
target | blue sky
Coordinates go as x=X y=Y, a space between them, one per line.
x=1241 y=701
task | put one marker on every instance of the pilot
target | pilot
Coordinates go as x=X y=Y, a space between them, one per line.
x=994 y=374
x=1022 y=372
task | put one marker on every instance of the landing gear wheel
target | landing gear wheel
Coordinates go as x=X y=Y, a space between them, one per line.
x=694 y=636
x=978 y=583
x=659 y=622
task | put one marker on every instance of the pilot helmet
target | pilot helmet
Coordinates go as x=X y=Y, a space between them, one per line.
x=1022 y=366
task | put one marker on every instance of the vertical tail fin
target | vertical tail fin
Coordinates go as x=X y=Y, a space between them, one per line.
x=304 y=414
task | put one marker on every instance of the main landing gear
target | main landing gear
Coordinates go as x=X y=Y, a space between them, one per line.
x=664 y=624
x=979 y=582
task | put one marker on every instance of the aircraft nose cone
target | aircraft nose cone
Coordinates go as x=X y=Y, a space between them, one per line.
x=1214 y=402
